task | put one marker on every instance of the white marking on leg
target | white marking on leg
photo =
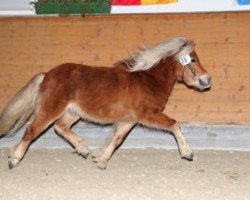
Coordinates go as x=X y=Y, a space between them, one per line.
x=184 y=148
x=18 y=153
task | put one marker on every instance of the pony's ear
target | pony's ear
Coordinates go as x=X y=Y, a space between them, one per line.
x=187 y=44
x=190 y=43
x=185 y=49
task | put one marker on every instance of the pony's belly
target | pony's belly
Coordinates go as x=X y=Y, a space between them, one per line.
x=75 y=109
x=94 y=116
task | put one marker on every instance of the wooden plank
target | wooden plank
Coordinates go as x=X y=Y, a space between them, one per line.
x=33 y=45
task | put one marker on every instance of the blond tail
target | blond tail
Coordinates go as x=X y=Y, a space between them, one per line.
x=20 y=107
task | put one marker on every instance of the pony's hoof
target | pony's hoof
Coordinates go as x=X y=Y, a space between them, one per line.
x=11 y=165
x=13 y=162
x=188 y=157
x=83 y=152
x=102 y=164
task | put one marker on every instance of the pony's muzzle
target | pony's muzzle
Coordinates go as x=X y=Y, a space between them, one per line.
x=204 y=81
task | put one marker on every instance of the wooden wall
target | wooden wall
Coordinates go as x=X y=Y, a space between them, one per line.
x=32 y=45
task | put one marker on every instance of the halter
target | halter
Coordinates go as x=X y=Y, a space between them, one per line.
x=186 y=61
x=192 y=69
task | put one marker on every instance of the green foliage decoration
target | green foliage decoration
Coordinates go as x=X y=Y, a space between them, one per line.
x=67 y=7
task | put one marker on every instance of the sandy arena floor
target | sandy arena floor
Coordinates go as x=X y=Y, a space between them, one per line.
x=131 y=174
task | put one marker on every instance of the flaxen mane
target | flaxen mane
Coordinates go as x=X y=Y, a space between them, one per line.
x=148 y=58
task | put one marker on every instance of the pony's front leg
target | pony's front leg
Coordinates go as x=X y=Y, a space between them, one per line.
x=162 y=121
x=122 y=131
x=184 y=148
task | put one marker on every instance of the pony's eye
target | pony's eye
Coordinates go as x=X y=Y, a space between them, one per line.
x=193 y=60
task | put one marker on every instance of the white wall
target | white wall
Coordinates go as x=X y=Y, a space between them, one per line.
x=23 y=7
x=184 y=6
x=15 y=7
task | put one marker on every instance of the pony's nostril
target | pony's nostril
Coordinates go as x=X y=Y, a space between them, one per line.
x=205 y=81
x=201 y=82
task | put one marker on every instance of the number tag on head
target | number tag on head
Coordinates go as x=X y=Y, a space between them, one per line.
x=185 y=60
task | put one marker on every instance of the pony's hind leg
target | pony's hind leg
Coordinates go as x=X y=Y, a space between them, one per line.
x=62 y=127
x=41 y=122
x=120 y=134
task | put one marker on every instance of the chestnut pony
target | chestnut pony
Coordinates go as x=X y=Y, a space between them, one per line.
x=133 y=91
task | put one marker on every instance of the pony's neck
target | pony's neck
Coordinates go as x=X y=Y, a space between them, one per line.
x=165 y=73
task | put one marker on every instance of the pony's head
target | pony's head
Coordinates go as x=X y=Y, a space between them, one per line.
x=190 y=70
x=182 y=52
